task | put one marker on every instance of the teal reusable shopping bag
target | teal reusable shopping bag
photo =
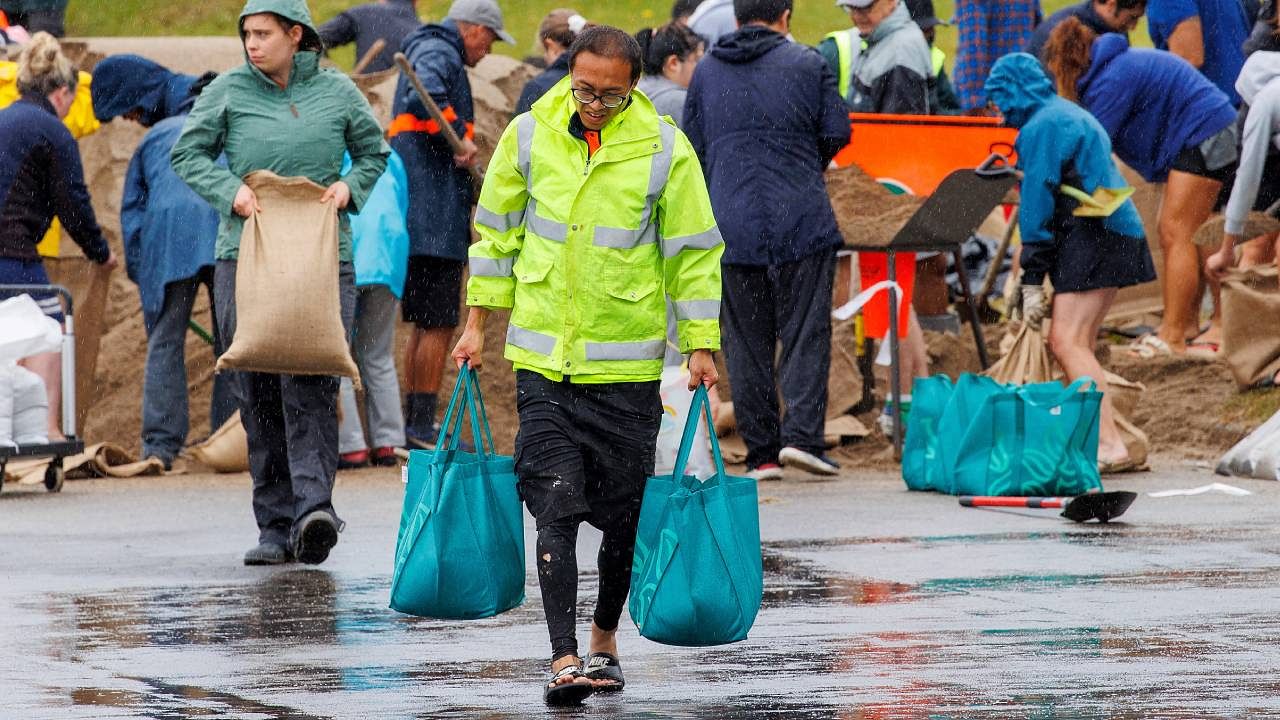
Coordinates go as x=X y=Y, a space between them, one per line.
x=697 y=578
x=921 y=448
x=1030 y=440
x=460 y=551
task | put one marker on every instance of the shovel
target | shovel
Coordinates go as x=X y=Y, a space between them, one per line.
x=1101 y=506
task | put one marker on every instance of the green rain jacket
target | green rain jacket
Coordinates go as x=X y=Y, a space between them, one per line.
x=302 y=130
x=586 y=251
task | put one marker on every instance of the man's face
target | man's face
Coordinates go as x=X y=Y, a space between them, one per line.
x=478 y=40
x=869 y=18
x=1122 y=21
x=609 y=78
x=268 y=46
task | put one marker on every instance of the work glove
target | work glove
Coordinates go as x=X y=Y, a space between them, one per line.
x=1032 y=304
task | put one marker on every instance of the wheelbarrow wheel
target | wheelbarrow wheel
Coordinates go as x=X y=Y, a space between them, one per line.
x=54 y=476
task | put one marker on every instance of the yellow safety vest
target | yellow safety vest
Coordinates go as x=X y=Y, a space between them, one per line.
x=845 y=40
x=585 y=250
x=80 y=121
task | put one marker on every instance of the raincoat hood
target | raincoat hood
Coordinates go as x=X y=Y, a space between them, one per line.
x=747 y=44
x=1019 y=87
x=293 y=10
x=1105 y=49
x=1260 y=69
x=123 y=83
x=898 y=19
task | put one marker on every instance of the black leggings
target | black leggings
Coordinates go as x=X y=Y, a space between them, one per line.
x=558 y=578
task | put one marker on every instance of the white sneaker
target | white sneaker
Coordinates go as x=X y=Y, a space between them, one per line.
x=815 y=464
x=766 y=471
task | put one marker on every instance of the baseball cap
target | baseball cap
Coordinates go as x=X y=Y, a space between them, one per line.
x=860 y=4
x=922 y=12
x=481 y=12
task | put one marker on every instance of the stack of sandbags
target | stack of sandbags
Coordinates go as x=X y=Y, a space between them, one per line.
x=1250 y=329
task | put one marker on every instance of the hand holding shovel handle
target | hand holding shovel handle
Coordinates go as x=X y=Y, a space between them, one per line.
x=451 y=137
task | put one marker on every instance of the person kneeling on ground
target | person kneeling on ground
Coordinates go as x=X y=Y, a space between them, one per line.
x=587 y=275
x=280 y=112
x=1087 y=258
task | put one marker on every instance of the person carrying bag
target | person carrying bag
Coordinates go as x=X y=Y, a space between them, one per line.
x=697 y=577
x=460 y=550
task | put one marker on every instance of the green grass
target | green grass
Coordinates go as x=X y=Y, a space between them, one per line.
x=813 y=18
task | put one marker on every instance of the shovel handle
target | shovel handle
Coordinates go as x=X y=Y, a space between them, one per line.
x=450 y=135
x=1021 y=502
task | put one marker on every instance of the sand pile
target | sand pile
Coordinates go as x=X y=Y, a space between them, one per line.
x=868 y=214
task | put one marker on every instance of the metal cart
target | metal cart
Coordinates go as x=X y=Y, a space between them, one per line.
x=55 y=475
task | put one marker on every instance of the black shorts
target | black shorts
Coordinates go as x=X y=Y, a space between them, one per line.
x=432 y=292
x=1191 y=160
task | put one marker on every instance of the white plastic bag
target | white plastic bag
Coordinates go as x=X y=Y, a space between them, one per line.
x=25 y=330
x=30 y=408
x=6 y=403
x=1256 y=456
x=676 y=399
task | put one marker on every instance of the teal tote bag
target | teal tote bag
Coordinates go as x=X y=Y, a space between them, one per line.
x=922 y=447
x=1030 y=440
x=460 y=551
x=697 y=578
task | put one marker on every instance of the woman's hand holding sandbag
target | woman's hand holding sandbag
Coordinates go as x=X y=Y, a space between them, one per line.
x=1217 y=264
x=246 y=202
x=339 y=193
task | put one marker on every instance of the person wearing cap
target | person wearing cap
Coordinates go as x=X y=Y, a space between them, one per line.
x=882 y=62
x=440 y=194
x=555 y=34
x=168 y=233
x=942 y=96
x=280 y=111
x=390 y=21
x=594 y=214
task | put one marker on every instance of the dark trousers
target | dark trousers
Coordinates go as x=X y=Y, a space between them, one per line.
x=584 y=452
x=291 y=422
x=164 y=386
x=762 y=307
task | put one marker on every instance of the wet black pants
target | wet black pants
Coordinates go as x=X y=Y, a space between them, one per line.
x=762 y=306
x=291 y=422
x=584 y=452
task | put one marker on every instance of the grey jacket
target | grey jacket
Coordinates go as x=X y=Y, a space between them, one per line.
x=891 y=67
x=666 y=96
x=1259 y=88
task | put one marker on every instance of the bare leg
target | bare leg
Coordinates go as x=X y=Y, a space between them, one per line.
x=1072 y=337
x=411 y=360
x=49 y=367
x=1187 y=202
x=433 y=348
x=915 y=355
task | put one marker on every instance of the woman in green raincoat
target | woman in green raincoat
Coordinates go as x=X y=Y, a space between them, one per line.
x=281 y=112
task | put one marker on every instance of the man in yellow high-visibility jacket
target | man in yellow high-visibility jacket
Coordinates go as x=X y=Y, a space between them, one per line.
x=593 y=213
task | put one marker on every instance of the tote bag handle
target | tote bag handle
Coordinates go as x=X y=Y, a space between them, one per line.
x=698 y=409
x=466 y=389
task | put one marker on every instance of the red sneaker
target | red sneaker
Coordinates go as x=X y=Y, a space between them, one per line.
x=385 y=457
x=353 y=460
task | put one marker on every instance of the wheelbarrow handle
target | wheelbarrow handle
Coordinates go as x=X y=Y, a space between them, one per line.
x=996 y=165
x=1021 y=502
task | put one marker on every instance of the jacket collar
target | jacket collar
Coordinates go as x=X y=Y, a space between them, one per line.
x=636 y=124
x=41 y=102
x=306 y=65
x=1105 y=49
x=898 y=19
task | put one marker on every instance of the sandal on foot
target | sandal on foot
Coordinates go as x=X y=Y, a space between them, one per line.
x=1115 y=467
x=1150 y=346
x=570 y=693
x=603 y=667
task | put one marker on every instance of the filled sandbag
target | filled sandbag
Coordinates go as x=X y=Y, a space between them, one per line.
x=288 y=312
x=226 y=450
x=1250 y=333
x=1026 y=361
x=30 y=407
x=6 y=404
x=1256 y=456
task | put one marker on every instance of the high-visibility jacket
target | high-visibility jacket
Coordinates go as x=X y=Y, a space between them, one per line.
x=585 y=249
x=887 y=71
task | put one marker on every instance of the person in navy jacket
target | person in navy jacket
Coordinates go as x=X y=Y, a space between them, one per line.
x=1172 y=125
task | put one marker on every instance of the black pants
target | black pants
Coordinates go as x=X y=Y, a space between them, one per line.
x=291 y=422
x=762 y=306
x=584 y=452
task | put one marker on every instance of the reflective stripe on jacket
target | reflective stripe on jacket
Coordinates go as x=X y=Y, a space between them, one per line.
x=585 y=250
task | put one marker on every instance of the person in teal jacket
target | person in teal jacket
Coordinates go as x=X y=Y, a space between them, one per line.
x=281 y=112
x=1087 y=258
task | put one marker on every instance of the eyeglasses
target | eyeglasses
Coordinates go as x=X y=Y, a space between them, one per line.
x=586 y=97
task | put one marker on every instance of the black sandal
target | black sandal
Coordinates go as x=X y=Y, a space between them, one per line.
x=570 y=693
x=603 y=666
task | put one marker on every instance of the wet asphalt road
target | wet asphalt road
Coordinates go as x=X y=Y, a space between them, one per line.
x=127 y=599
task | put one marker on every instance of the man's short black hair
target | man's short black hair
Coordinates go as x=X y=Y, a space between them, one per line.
x=765 y=11
x=682 y=9
x=608 y=42
x=1130 y=4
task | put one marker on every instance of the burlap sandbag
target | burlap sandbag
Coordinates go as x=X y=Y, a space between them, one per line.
x=1250 y=329
x=1026 y=361
x=227 y=450
x=288 y=313
x=1211 y=231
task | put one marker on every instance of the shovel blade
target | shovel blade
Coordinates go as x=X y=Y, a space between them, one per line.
x=1105 y=201
x=1099 y=506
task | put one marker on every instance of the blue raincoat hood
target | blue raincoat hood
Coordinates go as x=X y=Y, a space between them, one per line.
x=122 y=83
x=1018 y=86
